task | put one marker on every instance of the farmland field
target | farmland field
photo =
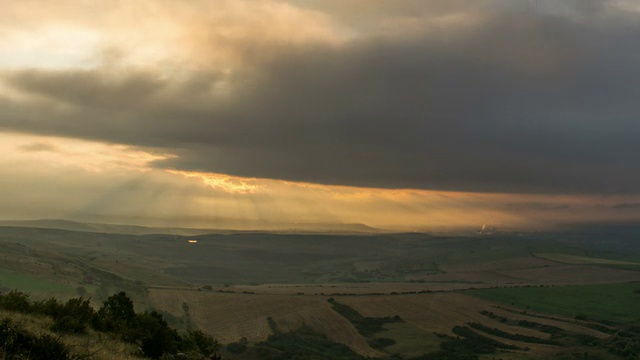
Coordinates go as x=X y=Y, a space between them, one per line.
x=572 y=259
x=28 y=283
x=610 y=302
x=410 y=340
x=254 y=285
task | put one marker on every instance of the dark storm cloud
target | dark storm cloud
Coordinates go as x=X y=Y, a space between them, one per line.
x=523 y=103
x=537 y=206
x=627 y=206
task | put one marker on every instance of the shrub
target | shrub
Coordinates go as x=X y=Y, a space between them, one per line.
x=153 y=334
x=236 y=348
x=17 y=343
x=73 y=316
x=50 y=307
x=15 y=301
x=116 y=314
x=204 y=343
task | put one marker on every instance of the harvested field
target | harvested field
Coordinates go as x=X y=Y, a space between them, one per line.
x=359 y=288
x=432 y=312
x=228 y=317
x=440 y=312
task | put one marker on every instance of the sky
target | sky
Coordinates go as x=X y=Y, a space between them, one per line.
x=407 y=115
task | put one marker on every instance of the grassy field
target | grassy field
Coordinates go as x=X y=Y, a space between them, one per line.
x=611 y=302
x=411 y=341
x=228 y=317
x=582 y=260
x=31 y=284
x=270 y=258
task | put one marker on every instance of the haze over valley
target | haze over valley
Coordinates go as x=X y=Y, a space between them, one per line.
x=320 y=179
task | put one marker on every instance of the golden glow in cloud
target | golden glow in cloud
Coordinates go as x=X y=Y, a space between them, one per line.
x=408 y=209
x=52 y=177
x=177 y=41
x=55 y=46
x=64 y=152
x=169 y=36
x=230 y=184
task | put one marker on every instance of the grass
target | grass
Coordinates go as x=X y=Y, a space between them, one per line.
x=616 y=303
x=99 y=346
x=31 y=284
x=582 y=260
x=411 y=341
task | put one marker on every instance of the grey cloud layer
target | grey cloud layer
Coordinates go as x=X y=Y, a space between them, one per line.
x=523 y=103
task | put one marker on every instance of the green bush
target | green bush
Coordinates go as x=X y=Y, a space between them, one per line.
x=115 y=315
x=49 y=307
x=73 y=316
x=17 y=343
x=153 y=334
x=238 y=347
x=15 y=301
x=204 y=343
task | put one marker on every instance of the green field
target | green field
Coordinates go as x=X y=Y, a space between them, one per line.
x=582 y=260
x=612 y=302
x=30 y=284
x=410 y=340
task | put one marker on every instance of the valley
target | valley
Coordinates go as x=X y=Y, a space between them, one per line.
x=510 y=287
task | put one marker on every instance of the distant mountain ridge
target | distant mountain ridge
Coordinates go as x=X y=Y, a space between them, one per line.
x=62 y=224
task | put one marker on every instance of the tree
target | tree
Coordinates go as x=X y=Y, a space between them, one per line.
x=154 y=335
x=205 y=344
x=116 y=313
x=73 y=316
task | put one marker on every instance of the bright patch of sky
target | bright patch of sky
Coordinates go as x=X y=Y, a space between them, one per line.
x=52 y=47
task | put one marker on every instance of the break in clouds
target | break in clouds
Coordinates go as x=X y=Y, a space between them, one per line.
x=489 y=96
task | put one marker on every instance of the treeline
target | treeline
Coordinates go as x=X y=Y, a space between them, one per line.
x=302 y=344
x=366 y=326
x=510 y=336
x=116 y=317
x=623 y=342
x=467 y=345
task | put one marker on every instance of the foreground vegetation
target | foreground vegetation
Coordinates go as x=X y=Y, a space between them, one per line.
x=116 y=319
